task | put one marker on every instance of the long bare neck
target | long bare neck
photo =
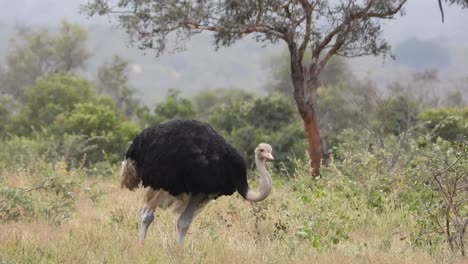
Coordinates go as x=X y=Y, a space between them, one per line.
x=265 y=183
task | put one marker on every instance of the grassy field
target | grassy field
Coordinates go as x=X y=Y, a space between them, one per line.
x=301 y=222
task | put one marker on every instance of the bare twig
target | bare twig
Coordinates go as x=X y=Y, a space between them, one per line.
x=451 y=165
x=441 y=10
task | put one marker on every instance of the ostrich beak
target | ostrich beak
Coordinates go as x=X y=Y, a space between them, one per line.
x=270 y=157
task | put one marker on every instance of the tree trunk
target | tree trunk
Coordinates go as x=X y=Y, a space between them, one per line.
x=305 y=83
x=312 y=131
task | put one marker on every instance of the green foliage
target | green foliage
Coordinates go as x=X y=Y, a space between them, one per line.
x=51 y=97
x=250 y=121
x=7 y=106
x=397 y=114
x=335 y=214
x=19 y=152
x=76 y=123
x=426 y=178
x=104 y=132
x=268 y=113
x=51 y=198
x=271 y=113
x=437 y=186
x=448 y=123
x=91 y=119
x=15 y=204
x=174 y=107
x=208 y=99
x=336 y=72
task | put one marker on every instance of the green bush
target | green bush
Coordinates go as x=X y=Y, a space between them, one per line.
x=7 y=107
x=397 y=114
x=174 y=107
x=90 y=119
x=50 y=197
x=206 y=100
x=448 y=123
x=97 y=130
x=63 y=117
x=49 y=98
x=398 y=172
x=27 y=152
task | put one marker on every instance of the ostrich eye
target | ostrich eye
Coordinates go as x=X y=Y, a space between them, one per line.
x=261 y=150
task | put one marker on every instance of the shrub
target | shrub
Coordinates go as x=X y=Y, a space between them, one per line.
x=50 y=97
x=97 y=130
x=51 y=197
x=448 y=123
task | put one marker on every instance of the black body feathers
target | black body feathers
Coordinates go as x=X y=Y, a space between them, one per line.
x=188 y=156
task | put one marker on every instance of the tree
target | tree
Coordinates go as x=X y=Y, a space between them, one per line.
x=38 y=53
x=76 y=122
x=343 y=101
x=112 y=79
x=325 y=28
x=49 y=98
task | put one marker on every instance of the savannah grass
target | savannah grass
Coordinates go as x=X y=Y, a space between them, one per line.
x=303 y=221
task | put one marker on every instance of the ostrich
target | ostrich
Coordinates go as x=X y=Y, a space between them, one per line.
x=186 y=164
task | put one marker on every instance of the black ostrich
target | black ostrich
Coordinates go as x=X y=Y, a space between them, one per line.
x=187 y=164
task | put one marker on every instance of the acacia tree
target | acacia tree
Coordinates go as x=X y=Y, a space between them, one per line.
x=326 y=28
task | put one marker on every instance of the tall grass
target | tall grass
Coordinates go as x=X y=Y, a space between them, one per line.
x=331 y=220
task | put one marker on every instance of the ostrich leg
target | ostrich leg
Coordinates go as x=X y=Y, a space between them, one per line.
x=153 y=199
x=194 y=206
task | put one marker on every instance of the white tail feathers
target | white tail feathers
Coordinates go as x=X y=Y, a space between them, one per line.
x=129 y=177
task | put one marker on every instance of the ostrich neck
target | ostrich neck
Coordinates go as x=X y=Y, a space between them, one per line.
x=265 y=183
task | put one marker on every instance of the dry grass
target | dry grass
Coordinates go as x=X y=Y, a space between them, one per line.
x=104 y=230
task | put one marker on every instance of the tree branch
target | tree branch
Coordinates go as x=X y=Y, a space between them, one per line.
x=441 y=10
x=363 y=15
x=239 y=30
x=308 y=17
x=437 y=174
x=446 y=196
x=334 y=32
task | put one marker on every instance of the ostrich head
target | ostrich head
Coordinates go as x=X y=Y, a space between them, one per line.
x=263 y=152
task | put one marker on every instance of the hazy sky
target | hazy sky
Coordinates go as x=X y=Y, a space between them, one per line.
x=423 y=20
x=241 y=65
x=422 y=17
